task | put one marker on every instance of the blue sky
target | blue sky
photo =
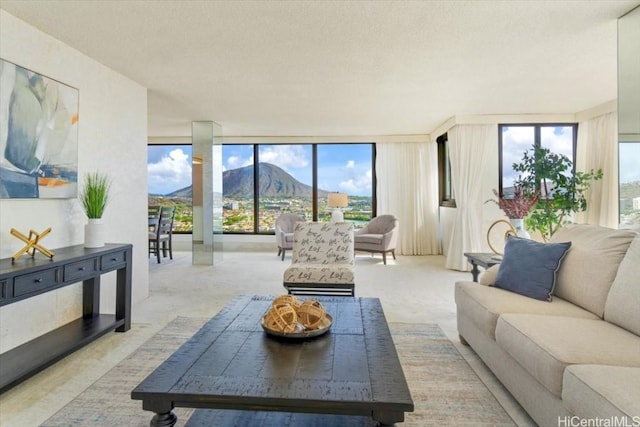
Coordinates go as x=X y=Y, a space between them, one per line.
x=629 y=162
x=518 y=139
x=341 y=167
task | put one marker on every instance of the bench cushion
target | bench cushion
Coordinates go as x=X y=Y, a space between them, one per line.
x=313 y=273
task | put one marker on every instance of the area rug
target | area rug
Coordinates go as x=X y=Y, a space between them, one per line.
x=445 y=390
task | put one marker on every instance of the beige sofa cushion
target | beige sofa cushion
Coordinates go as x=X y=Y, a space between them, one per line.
x=600 y=391
x=484 y=305
x=488 y=277
x=545 y=345
x=588 y=269
x=623 y=303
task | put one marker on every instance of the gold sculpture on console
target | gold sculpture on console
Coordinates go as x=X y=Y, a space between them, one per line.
x=511 y=231
x=32 y=243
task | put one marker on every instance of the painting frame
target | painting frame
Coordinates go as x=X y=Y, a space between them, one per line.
x=39 y=119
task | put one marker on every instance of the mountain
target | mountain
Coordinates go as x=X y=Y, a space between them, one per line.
x=186 y=192
x=274 y=182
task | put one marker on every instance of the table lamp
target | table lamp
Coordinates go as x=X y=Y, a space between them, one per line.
x=337 y=201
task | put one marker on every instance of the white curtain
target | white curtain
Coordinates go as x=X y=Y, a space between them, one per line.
x=407 y=177
x=469 y=147
x=598 y=149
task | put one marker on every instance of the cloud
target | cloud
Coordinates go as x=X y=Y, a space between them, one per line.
x=351 y=164
x=629 y=155
x=357 y=184
x=518 y=139
x=288 y=157
x=172 y=172
x=234 y=162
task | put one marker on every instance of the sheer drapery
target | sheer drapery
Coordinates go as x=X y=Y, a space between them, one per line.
x=468 y=152
x=407 y=187
x=598 y=149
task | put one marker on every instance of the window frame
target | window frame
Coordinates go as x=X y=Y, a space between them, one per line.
x=447 y=198
x=537 y=140
x=175 y=144
x=314 y=185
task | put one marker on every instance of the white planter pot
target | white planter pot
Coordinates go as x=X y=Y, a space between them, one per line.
x=94 y=233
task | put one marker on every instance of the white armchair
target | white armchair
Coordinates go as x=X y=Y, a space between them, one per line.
x=322 y=260
x=284 y=231
x=378 y=236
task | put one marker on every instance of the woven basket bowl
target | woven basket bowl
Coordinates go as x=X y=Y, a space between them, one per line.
x=311 y=314
x=286 y=299
x=282 y=318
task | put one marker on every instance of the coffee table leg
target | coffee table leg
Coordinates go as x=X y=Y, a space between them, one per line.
x=167 y=419
x=388 y=418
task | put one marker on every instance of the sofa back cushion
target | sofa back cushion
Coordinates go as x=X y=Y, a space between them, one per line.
x=591 y=264
x=623 y=302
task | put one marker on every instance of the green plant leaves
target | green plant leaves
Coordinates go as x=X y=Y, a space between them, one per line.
x=95 y=194
x=561 y=189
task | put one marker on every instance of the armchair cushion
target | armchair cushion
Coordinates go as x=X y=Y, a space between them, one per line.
x=284 y=229
x=374 y=239
x=379 y=235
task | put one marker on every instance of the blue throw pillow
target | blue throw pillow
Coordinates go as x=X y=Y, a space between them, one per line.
x=529 y=268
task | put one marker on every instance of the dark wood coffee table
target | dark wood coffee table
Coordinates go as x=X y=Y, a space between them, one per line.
x=232 y=364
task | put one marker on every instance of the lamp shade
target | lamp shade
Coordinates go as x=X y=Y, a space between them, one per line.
x=337 y=200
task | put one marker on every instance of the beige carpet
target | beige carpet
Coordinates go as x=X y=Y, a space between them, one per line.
x=444 y=388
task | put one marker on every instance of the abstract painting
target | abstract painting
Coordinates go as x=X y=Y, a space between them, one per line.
x=38 y=135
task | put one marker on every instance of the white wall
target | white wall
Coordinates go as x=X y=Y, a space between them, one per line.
x=112 y=138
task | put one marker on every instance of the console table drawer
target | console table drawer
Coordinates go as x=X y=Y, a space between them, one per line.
x=3 y=289
x=79 y=270
x=34 y=282
x=108 y=262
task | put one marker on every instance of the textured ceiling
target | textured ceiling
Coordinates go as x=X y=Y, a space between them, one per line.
x=298 y=68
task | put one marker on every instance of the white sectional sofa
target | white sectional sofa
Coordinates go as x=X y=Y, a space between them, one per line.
x=577 y=355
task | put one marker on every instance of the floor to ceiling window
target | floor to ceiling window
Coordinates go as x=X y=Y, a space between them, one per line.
x=346 y=168
x=285 y=182
x=261 y=181
x=169 y=181
x=629 y=155
x=237 y=188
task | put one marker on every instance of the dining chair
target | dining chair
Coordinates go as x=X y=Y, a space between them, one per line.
x=161 y=240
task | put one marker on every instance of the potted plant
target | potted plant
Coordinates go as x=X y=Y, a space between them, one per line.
x=516 y=208
x=559 y=189
x=94 y=197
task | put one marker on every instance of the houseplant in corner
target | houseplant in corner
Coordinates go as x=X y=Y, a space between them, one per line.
x=94 y=197
x=560 y=188
x=516 y=208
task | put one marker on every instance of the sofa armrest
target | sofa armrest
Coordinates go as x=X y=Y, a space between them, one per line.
x=488 y=277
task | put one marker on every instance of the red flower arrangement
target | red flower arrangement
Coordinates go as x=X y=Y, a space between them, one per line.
x=518 y=206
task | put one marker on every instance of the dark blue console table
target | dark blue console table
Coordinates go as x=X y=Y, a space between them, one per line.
x=28 y=277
